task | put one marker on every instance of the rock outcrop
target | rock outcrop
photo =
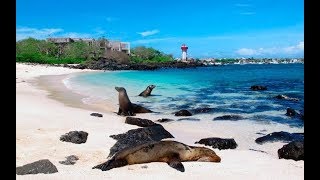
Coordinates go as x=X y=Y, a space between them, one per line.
x=218 y=143
x=183 y=113
x=294 y=150
x=70 y=160
x=280 y=136
x=229 y=117
x=76 y=137
x=140 y=122
x=42 y=166
x=258 y=88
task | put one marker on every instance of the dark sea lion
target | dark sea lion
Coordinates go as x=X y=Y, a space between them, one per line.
x=127 y=108
x=171 y=152
x=147 y=91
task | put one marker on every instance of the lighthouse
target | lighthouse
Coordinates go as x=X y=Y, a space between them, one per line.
x=184 y=49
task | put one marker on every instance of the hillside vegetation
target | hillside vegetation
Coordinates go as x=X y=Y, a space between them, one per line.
x=44 y=52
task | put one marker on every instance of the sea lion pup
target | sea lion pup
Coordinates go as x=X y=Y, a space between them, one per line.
x=127 y=108
x=171 y=152
x=147 y=91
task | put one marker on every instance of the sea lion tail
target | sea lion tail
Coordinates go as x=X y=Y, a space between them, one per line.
x=175 y=162
x=110 y=164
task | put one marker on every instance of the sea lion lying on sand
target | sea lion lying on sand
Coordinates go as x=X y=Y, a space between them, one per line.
x=147 y=91
x=127 y=108
x=171 y=152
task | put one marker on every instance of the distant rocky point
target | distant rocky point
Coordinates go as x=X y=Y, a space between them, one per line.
x=108 y=64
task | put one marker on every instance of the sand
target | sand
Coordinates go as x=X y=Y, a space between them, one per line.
x=43 y=115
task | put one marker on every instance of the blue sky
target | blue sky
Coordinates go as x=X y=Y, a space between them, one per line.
x=210 y=28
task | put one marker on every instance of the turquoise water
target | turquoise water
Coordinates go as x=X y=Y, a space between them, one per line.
x=226 y=89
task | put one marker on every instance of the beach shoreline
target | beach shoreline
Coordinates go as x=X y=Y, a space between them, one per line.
x=44 y=113
x=58 y=91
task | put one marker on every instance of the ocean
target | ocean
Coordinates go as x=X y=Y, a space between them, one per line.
x=223 y=90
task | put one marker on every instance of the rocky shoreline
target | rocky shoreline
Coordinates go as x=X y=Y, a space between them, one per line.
x=112 y=65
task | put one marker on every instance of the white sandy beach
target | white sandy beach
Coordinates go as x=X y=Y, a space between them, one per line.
x=42 y=118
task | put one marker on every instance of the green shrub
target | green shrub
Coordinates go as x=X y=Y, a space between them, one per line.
x=143 y=54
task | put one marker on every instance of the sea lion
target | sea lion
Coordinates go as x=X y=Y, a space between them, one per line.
x=171 y=152
x=127 y=108
x=147 y=91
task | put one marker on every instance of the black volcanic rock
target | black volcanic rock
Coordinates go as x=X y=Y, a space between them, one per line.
x=280 y=136
x=183 y=113
x=140 y=122
x=188 y=119
x=76 y=137
x=281 y=96
x=294 y=150
x=258 y=88
x=218 y=143
x=138 y=136
x=229 y=117
x=71 y=160
x=110 y=64
x=42 y=166
x=164 y=120
x=293 y=113
x=96 y=114
x=202 y=110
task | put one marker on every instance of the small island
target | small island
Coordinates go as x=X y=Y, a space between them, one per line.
x=102 y=54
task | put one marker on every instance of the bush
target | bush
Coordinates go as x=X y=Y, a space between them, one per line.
x=43 y=52
x=143 y=54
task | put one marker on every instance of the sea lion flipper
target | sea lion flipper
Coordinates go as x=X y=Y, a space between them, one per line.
x=139 y=109
x=175 y=163
x=112 y=163
x=119 y=111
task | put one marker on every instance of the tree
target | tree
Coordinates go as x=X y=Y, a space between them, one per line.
x=28 y=46
x=142 y=53
x=80 y=50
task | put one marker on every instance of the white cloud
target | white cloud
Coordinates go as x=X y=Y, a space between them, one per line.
x=76 y=35
x=294 y=49
x=289 y=50
x=147 y=41
x=247 y=52
x=301 y=45
x=149 y=33
x=26 y=32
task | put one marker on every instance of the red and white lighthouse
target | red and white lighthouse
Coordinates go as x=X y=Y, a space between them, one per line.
x=184 y=49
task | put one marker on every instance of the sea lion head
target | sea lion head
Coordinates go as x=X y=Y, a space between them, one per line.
x=151 y=87
x=204 y=154
x=120 y=89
